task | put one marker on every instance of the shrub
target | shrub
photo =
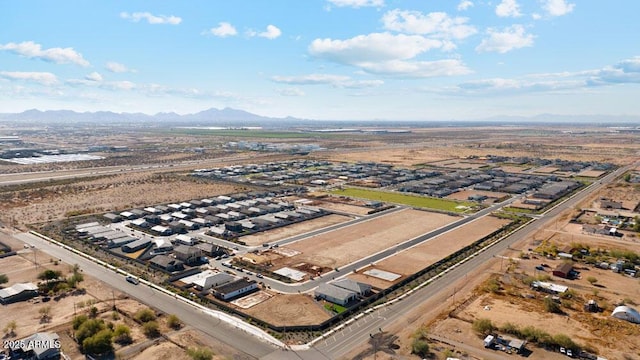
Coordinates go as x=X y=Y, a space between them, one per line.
x=174 y=322
x=99 y=343
x=88 y=329
x=420 y=347
x=551 y=306
x=483 y=326
x=78 y=320
x=200 y=353
x=151 y=329
x=122 y=334
x=145 y=315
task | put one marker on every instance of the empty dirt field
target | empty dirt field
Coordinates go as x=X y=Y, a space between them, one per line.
x=294 y=229
x=341 y=207
x=109 y=193
x=348 y=244
x=420 y=256
x=290 y=310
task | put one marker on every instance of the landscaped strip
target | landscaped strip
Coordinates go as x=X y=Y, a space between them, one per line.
x=409 y=200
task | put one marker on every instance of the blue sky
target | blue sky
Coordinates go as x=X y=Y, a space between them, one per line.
x=323 y=59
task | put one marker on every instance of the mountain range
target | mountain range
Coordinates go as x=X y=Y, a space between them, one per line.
x=235 y=117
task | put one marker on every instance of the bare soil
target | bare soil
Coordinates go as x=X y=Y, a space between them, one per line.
x=420 y=256
x=111 y=193
x=287 y=309
x=295 y=229
x=345 y=245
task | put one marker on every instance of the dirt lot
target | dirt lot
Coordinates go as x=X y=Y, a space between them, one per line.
x=340 y=207
x=111 y=193
x=418 y=257
x=343 y=246
x=295 y=229
x=286 y=309
x=460 y=164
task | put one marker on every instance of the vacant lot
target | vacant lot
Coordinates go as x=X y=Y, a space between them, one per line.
x=289 y=310
x=410 y=200
x=295 y=229
x=103 y=194
x=351 y=243
x=418 y=257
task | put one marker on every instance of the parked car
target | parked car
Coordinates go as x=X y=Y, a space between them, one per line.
x=132 y=280
x=540 y=267
x=569 y=353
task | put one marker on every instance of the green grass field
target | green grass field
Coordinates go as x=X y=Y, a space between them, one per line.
x=404 y=199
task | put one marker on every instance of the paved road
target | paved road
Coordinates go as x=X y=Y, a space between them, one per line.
x=190 y=315
x=311 y=284
x=344 y=341
x=339 y=343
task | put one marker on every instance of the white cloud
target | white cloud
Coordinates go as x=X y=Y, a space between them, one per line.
x=435 y=24
x=557 y=7
x=464 y=5
x=421 y=69
x=510 y=38
x=626 y=71
x=115 y=67
x=357 y=3
x=44 y=78
x=372 y=48
x=224 y=29
x=33 y=50
x=94 y=76
x=271 y=33
x=338 y=81
x=508 y=8
x=517 y=86
x=536 y=16
x=388 y=54
x=151 y=19
x=291 y=92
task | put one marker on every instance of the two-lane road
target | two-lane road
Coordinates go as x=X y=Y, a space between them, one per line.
x=190 y=315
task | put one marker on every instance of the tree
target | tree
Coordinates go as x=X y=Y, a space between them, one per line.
x=78 y=320
x=174 y=322
x=200 y=353
x=89 y=328
x=99 y=343
x=483 y=326
x=592 y=280
x=4 y=279
x=151 y=329
x=93 y=312
x=122 y=334
x=145 y=315
x=49 y=275
x=10 y=329
x=420 y=347
x=76 y=276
